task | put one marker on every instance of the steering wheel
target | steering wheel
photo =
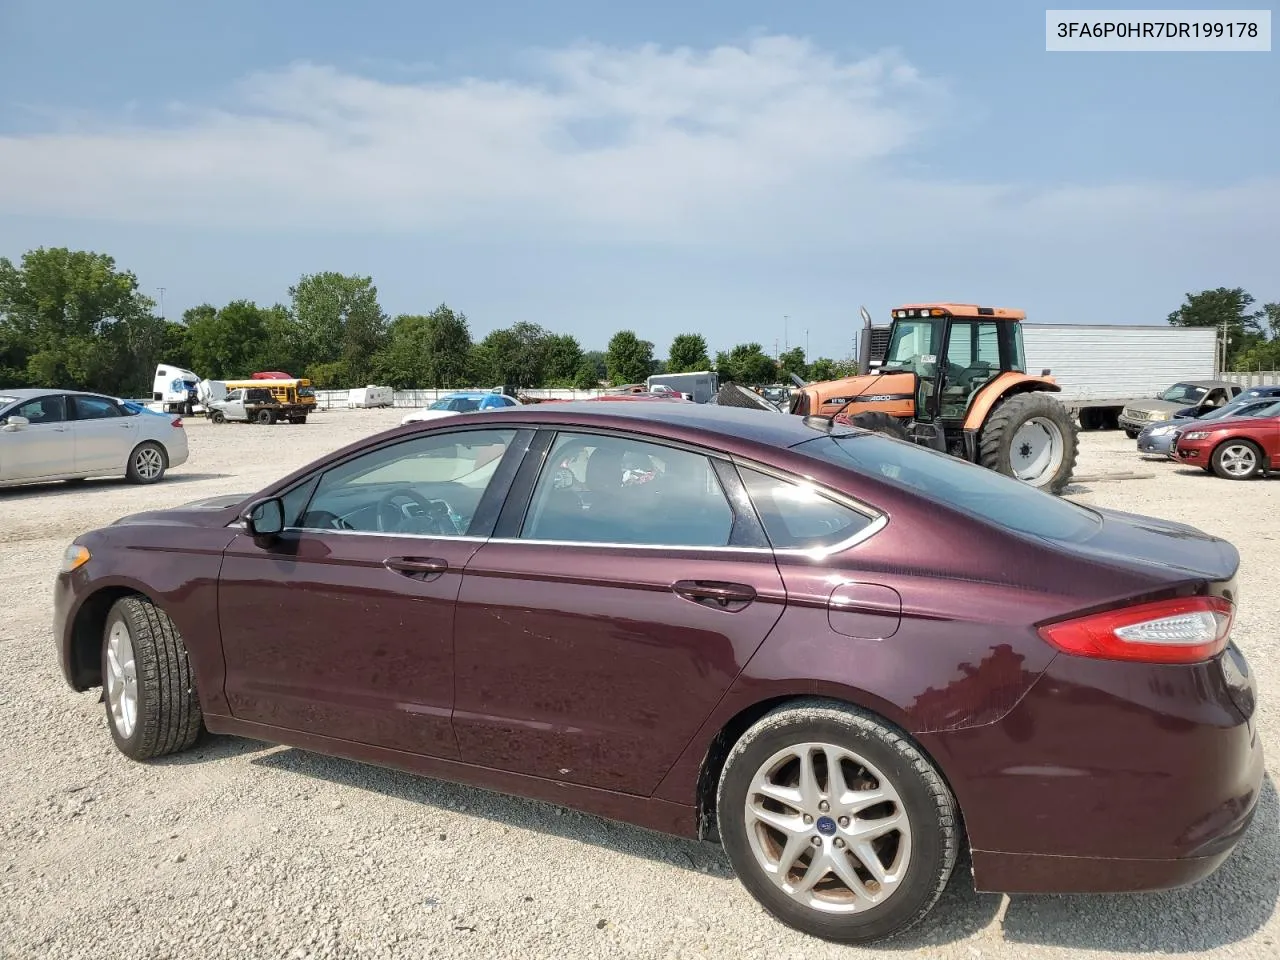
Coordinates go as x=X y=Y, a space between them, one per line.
x=971 y=375
x=323 y=519
x=434 y=516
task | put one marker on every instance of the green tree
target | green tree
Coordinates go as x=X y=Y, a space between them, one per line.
x=824 y=368
x=746 y=363
x=587 y=377
x=231 y=343
x=1223 y=309
x=793 y=362
x=561 y=359
x=426 y=351
x=71 y=319
x=340 y=326
x=628 y=358
x=688 y=354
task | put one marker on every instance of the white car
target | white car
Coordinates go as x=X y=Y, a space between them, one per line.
x=464 y=401
x=67 y=435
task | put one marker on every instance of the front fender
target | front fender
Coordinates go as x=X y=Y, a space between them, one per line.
x=1001 y=387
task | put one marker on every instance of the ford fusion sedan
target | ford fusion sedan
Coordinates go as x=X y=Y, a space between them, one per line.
x=842 y=656
x=50 y=435
x=1162 y=438
x=1234 y=448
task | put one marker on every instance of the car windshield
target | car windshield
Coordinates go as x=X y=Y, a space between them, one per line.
x=1184 y=393
x=459 y=404
x=977 y=491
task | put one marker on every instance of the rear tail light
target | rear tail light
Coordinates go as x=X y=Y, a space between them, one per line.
x=1185 y=630
x=176 y=422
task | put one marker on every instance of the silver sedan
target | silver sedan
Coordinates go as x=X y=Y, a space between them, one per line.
x=68 y=435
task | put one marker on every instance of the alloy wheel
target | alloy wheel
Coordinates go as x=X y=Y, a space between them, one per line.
x=828 y=828
x=122 y=680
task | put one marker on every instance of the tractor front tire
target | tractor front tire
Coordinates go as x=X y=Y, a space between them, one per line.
x=1031 y=437
x=880 y=423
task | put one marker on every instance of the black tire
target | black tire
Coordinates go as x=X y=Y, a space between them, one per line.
x=266 y=417
x=931 y=811
x=1131 y=434
x=301 y=419
x=168 y=716
x=880 y=423
x=1239 y=448
x=147 y=463
x=995 y=446
x=217 y=416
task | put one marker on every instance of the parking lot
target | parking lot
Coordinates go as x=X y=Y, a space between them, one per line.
x=241 y=849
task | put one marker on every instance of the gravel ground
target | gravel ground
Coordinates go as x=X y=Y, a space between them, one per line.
x=239 y=849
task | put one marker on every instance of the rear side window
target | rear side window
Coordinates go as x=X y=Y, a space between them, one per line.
x=94 y=408
x=975 y=490
x=796 y=516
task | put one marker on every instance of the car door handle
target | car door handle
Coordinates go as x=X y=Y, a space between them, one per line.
x=419 y=568
x=725 y=596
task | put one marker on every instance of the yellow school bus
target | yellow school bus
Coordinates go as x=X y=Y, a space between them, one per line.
x=298 y=390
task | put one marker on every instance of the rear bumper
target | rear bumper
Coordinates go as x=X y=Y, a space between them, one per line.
x=1109 y=777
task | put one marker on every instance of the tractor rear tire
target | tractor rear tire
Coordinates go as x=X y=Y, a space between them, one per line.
x=880 y=423
x=1032 y=437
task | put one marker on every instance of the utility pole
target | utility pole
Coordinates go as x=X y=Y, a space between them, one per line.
x=161 y=289
x=806 y=344
x=786 y=344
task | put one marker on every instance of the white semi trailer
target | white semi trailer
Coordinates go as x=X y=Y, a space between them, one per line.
x=1103 y=367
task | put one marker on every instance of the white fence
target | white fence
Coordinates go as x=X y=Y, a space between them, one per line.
x=1256 y=378
x=416 y=399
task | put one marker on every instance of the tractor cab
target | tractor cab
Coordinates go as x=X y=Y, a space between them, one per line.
x=954 y=351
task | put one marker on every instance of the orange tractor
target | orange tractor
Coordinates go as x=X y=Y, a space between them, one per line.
x=954 y=378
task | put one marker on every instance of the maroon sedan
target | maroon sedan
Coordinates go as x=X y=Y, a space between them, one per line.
x=841 y=655
x=1235 y=448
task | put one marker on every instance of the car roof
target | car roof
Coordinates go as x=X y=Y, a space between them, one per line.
x=29 y=393
x=707 y=421
x=1208 y=383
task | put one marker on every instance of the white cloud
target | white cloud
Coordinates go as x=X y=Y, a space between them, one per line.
x=774 y=138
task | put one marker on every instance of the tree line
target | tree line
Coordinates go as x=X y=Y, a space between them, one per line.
x=73 y=319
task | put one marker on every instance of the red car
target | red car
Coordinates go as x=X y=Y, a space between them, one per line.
x=843 y=656
x=1235 y=448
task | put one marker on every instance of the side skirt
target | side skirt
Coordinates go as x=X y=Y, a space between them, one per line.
x=662 y=816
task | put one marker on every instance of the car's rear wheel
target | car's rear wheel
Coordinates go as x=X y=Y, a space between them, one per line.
x=1237 y=460
x=152 y=708
x=147 y=463
x=836 y=823
x=266 y=416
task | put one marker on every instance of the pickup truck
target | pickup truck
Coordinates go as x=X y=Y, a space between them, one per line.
x=255 y=405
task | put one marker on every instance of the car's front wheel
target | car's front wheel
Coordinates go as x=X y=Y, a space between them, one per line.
x=152 y=708
x=1237 y=460
x=836 y=823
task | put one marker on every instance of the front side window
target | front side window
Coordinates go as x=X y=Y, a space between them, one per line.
x=796 y=516
x=94 y=408
x=914 y=345
x=427 y=486
x=41 y=410
x=619 y=490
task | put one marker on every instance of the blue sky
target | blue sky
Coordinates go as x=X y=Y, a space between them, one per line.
x=663 y=167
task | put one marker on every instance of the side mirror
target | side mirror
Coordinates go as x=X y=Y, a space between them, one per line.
x=264 y=519
x=15 y=423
